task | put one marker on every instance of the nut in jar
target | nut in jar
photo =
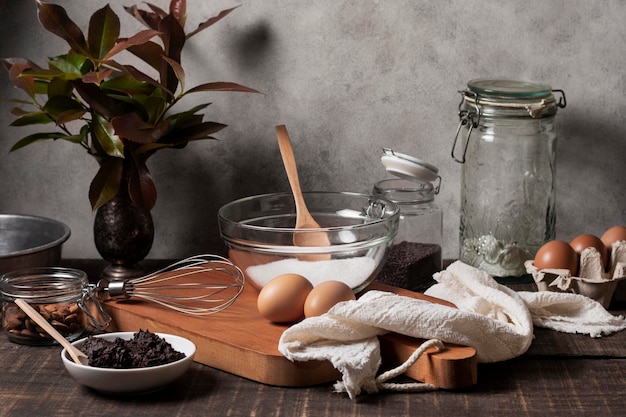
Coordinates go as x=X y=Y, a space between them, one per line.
x=60 y=295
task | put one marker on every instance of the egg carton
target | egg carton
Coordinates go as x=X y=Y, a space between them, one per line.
x=594 y=281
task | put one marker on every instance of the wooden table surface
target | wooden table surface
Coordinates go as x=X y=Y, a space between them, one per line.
x=561 y=374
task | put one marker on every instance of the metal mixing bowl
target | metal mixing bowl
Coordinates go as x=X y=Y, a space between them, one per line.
x=30 y=241
x=259 y=232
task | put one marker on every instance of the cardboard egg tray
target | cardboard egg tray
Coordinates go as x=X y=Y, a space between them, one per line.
x=594 y=281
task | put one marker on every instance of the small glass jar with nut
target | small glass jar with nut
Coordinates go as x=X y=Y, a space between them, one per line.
x=61 y=295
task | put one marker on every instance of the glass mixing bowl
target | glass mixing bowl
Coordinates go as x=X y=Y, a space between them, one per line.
x=259 y=233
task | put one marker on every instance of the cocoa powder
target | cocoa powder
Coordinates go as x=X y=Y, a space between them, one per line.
x=411 y=265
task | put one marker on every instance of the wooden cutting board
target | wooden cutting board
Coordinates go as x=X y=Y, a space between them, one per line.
x=240 y=341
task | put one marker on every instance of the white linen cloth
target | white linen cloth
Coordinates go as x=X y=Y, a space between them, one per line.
x=491 y=318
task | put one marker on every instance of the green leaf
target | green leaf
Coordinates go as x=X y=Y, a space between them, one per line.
x=104 y=29
x=106 y=183
x=127 y=84
x=36 y=137
x=64 y=109
x=55 y=20
x=185 y=114
x=152 y=106
x=59 y=86
x=211 y=21
x=222 y=86
x=63 y=66
x=108 y=141
x=34 y=118
x=140 y=76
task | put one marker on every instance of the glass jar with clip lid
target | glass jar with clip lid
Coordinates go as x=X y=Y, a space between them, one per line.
x=62 y=296
x=506 y=143
x=416 y=253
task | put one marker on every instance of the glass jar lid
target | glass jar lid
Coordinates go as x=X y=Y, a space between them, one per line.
x=510 y=98
x=509 y=89
x=408 y=167
x=44 y=284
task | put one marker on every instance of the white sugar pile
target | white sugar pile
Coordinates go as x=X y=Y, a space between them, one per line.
x=352 y=271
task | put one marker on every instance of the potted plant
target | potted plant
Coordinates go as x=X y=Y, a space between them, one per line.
x=118 y=113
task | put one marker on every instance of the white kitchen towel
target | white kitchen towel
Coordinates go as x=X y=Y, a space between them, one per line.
x=491 y=318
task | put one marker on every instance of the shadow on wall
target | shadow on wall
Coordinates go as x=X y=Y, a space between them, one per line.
x=250 y=47
x=591 y=160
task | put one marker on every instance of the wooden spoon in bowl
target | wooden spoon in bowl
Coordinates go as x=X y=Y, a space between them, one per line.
x=77 y=356
x=304 y=220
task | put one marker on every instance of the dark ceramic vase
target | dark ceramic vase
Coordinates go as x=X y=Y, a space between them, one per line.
x=123 y=234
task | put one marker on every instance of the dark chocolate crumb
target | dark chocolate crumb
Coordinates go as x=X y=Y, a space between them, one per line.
x=411 y=265
x=143 y=350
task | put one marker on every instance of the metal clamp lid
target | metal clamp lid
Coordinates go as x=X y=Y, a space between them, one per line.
x=485 y=97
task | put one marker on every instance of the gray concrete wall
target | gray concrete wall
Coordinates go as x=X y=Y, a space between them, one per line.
x=347 y=78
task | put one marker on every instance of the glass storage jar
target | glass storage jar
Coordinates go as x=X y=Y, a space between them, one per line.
x=61 y=295
x=506 y=141
x=416 y=252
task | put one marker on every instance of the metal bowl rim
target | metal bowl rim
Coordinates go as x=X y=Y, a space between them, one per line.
x=57 y=242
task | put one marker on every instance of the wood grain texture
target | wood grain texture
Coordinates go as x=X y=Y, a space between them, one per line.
x=544 y=383
x=34 y=383
x=240 y=341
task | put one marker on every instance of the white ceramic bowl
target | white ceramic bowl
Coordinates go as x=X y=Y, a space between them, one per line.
x=135 y=380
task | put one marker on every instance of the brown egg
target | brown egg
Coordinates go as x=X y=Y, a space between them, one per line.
x=614 y=234
x=325 y=295
x=582 y=242
x=557 y=254
x=281 y=300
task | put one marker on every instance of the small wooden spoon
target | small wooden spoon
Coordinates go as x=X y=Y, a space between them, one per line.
x=77 y=356
x=304 y=220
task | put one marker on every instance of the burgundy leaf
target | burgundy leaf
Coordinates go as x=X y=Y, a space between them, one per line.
x=211 y=21
x=141 y=186
x=131 y=127
x=157 y=10
x=106 y=183
x=137 y=39
x=55 y=20
x=193 y=132
x=15 y=68
x=173 y=41
x=148 y=52
x=223 y=86
x=178 y=71
x=98 y=76
x=96 y=98
x=178 y=8
x=150 y=20
x=104 y=29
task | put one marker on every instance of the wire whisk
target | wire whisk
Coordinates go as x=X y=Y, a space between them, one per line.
x=199 y=285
